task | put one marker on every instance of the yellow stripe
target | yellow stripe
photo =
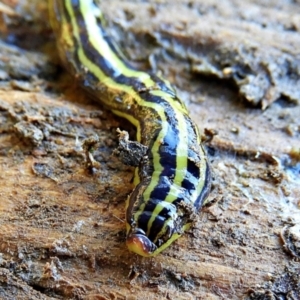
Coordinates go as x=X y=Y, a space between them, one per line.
x=181 y=168
x=176 y=105
x=105 y=51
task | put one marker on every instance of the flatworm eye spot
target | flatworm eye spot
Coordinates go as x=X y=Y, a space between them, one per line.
x=140 y=244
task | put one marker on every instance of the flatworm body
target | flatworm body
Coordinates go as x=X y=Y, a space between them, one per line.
x=172 y=179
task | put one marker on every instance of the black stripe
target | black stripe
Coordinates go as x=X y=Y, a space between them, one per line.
x=168 y=147
x=75 y=3
x=192 y=176
x=105 y=65
x=156 y=227
x=92 y=54
x=111 y=43
x=162 y=189
x=166 y=214
x=206 y=188
x=169 y=90
x=143 y=220
x=114 y=47
x=163 y=87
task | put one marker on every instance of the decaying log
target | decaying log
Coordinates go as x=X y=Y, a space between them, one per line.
x=62 y=223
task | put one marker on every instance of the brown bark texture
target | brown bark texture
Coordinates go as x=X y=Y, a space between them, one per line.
x=62 y=233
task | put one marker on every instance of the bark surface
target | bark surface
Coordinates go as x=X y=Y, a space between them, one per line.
x=237 y=66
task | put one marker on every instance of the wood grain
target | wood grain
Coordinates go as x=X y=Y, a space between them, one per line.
x=62 y=230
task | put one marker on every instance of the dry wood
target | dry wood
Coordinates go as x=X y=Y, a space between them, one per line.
x=62 y=230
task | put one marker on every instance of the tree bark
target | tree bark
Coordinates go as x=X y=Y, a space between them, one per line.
x=62 y=224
